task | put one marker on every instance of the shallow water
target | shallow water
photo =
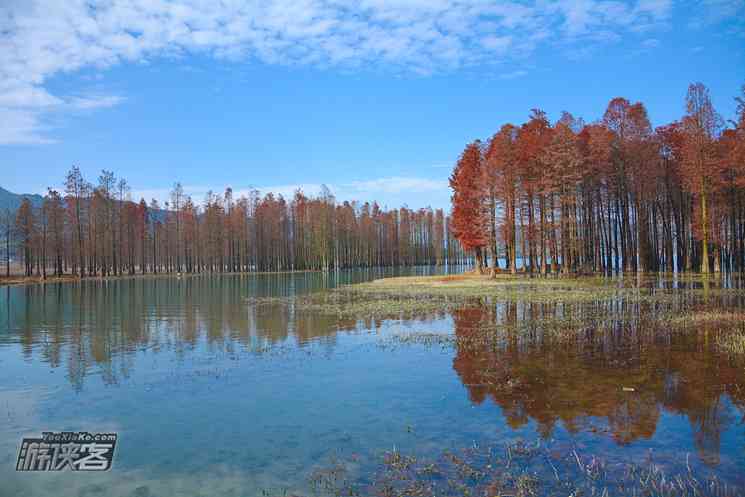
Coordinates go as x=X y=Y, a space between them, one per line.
x=213 y=395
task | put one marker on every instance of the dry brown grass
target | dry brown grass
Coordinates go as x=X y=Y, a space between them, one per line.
x=30 y=280
x=504 y=286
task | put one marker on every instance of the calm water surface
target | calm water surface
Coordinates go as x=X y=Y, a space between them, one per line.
x=211 y=395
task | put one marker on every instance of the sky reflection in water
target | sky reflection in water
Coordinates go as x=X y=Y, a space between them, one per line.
x=212 y=395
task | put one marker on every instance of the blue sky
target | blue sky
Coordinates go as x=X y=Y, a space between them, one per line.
x=374 y=98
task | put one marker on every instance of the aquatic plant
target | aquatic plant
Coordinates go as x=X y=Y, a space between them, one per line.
x=521 y=469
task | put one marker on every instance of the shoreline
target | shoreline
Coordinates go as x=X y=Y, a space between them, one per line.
x=438 y=280
x=69 y=278
x=19 y=280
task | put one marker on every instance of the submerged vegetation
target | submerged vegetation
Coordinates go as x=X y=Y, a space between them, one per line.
x=558 y=309
x=591 y=371
x=598 y=355
x=520 y=469
x=685 y=302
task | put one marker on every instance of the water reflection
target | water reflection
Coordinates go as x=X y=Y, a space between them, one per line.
x=101 y=324
x=620 y=375
x=618 y=381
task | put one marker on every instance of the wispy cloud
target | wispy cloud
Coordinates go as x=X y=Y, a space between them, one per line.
x=394 y=184
x=498 y=44
x=42 y=38
x=714 y=11
x=394 y=189
x=95 y=102
x=23 y=111
x=23 y=127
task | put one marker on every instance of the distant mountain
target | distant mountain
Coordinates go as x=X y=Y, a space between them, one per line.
x=13 y=200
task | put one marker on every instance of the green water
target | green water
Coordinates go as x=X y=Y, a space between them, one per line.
x=212 y=395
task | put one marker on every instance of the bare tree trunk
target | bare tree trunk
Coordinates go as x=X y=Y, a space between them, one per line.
x=479 y=260
x=493 y=235
x=704 y=230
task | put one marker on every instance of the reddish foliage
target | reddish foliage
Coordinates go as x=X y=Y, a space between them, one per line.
x=468 y=221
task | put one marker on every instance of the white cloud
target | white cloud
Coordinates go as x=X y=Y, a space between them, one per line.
x=394 y=184
x=590 y=17
x=42 y=38
x=22 y=111
x=24 y=104
x=26 y=96
x=95 y=102
x=393 y=190
x=21 y=127
x=499 y=44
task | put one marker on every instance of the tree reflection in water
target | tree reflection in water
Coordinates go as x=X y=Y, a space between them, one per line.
x=623 y=375
x=574 y=364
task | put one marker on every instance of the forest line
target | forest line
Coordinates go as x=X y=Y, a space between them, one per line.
x=613 y=195
x=569 y=197
x=97 y=230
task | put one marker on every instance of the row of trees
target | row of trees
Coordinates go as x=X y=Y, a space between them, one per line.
x=614 y=195
x=98 y=230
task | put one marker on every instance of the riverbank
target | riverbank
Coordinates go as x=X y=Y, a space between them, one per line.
x=70 y=278
x=466 y=284
x=33 y=280
x=453 y=281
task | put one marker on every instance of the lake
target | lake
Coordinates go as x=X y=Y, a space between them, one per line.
x=214 y=391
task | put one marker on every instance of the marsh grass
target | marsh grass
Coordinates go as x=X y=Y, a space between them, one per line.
x=732 y=342
x=519 y=469
x=504 y=287
x=345 y=303
x=541 y=331
x=726 y=330
x=714 y=318
x=470 y=280
x=402 y=297
x=539 y=290
x=547 y=309
x=726 y=326
x=425 y=293
x=534 y=343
